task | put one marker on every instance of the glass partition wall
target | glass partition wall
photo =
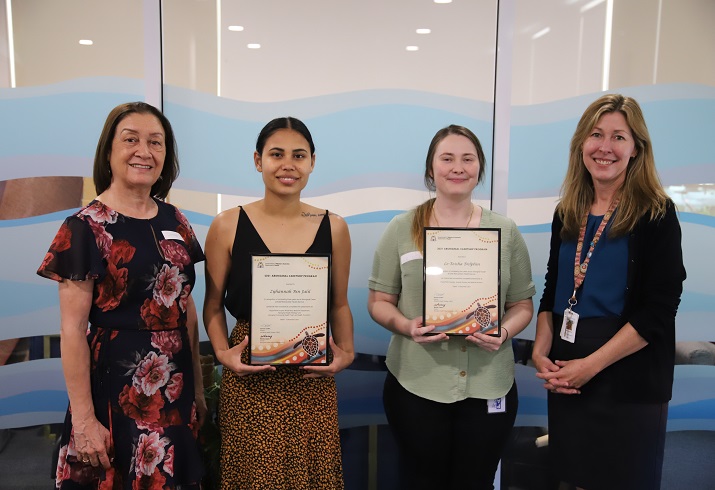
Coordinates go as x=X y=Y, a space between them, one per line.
x=60 y=75
x=373 y=81
x=565 y=55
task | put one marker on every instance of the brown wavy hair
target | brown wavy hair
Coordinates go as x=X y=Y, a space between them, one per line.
x=641 y=191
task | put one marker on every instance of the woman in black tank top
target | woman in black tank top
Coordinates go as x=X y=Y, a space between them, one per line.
x=279 y=425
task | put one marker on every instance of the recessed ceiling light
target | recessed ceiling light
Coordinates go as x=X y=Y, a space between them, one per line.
x=590 y=5
x=235 y=28
x=253 y=46
x=86 y=42
x=412 y=48
x=423 y=31
x=442 y=1
x=541 y=33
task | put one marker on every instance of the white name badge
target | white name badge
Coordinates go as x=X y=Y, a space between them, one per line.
x=172 y=235
x=568 y=326
x=498 y=405
x=416 y=255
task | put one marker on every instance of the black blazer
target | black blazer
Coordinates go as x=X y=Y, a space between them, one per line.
x=653 y=289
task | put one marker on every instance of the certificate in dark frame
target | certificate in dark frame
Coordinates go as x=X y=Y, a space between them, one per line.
x=276 y=336
x=467 y=246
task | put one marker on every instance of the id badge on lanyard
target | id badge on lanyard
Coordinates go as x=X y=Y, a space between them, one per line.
x=568 y=326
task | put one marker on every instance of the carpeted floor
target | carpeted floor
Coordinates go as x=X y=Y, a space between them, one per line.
x=688 y=461
x=25 y=456
x=25 y=459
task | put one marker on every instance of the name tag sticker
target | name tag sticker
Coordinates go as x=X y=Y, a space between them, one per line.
x=172 y=235
x=416 y=255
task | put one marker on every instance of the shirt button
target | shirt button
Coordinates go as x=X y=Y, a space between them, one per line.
x=464 y=348
x=463 y=373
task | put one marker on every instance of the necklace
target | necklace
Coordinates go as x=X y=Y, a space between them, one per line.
x=434 y=215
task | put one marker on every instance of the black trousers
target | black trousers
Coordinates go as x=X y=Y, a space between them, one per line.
x=447 y=445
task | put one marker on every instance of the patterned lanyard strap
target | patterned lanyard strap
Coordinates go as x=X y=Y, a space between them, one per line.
x=579 y=270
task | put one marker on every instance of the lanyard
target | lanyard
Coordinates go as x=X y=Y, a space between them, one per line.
x=580 y=269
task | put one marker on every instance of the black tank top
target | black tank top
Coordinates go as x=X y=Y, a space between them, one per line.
x=247 y=242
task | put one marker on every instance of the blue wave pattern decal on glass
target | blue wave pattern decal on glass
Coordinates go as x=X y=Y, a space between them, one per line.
x=384 y=140
x=541 y=134
x=60 y=124
x=365 y=141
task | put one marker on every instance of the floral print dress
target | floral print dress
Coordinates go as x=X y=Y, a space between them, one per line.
x=141 y=371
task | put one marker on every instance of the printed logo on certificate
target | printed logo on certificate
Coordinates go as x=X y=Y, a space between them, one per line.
x=461 y=280
x=290 y=302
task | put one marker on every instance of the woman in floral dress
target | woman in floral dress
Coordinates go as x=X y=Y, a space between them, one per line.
x=129 y=340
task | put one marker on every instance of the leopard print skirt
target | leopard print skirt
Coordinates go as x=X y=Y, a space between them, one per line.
x=278 y=430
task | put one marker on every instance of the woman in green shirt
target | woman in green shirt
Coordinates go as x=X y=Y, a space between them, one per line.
x=441 y=392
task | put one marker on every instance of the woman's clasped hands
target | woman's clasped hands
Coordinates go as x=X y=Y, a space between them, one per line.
x=564 y=377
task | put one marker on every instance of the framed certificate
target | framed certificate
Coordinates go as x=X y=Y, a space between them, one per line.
x=290 y=303
x=461 y=280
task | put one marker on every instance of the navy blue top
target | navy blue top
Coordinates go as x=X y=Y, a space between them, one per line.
x=603 y=292
x=654 y=283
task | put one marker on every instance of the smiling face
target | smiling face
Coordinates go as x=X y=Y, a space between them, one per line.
x=455 y=166
x=138 y=151
x=285 y=162
x=608 y=149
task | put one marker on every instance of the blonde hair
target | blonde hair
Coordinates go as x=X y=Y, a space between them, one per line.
x=423 y=212
x=641 y=191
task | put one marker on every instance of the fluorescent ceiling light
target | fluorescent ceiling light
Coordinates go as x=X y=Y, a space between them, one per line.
x=10 y=42
x=218 y=50
x=423 y=31
x=412 y=48
x=253 y=46
x=541 y=33
x=608 y=32
x=590 y=5
x=235 y=28
x=86 y=42
x=442 y=1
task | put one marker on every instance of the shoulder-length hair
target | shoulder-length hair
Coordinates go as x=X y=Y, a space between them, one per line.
x=102 y=172
x=641 y=191
x=423 y=212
